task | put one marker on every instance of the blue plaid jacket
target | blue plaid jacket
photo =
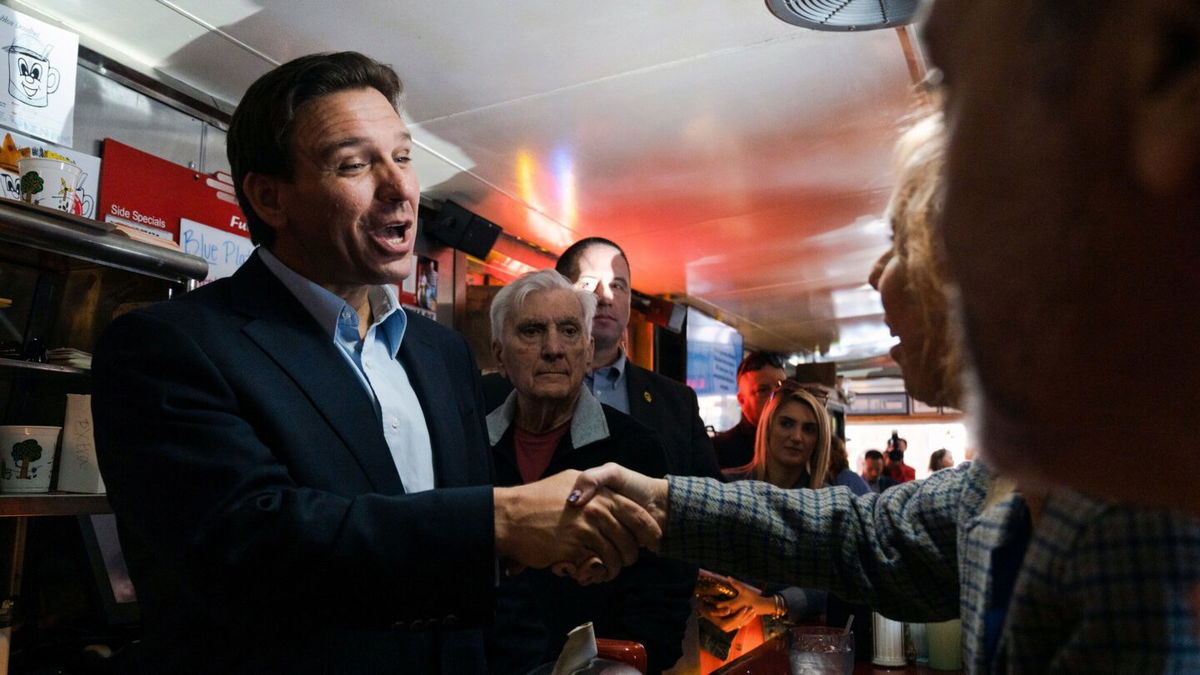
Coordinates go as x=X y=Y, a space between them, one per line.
x=1102 y=588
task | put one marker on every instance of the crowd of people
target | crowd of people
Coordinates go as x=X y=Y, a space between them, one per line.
x=318 y=481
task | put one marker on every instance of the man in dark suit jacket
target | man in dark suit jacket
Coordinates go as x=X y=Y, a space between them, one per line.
x=551 y=423
x=873 y=472
x=662 y=404
x=300 y=469
x=759 y=376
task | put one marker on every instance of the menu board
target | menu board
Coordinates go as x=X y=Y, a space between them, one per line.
x=40 y=97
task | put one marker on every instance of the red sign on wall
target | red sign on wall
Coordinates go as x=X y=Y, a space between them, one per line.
x=151 y=194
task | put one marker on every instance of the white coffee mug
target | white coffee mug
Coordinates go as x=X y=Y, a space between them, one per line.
x=27 y=457
x=10 y=184
x=51 y=183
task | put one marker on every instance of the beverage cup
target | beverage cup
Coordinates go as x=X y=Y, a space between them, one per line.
x=27 y=457
x=920 y=641
x=51 y=183
x=945 y=644
x=889 y=641
x=821 y=650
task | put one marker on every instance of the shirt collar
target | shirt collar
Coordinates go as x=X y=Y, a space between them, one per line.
x=327 y=308
x=614 y=371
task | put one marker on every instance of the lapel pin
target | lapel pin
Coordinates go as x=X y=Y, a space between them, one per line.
x=646 y=395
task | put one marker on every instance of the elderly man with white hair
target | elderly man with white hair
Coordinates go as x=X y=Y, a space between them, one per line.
x=542 y=340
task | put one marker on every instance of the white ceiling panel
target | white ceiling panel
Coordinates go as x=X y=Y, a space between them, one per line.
x=740 y=161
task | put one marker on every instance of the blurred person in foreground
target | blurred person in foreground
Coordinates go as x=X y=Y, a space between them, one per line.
x=284 y=449
x=791 y=451
x=1072 y=227
x=1057 y=582
x=542 y=341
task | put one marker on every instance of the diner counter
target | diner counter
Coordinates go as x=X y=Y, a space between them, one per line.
x=771 y=658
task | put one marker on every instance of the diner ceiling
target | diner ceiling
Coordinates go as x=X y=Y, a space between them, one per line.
x=742 y=162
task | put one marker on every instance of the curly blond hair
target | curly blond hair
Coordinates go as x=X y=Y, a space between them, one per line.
x=914 y=210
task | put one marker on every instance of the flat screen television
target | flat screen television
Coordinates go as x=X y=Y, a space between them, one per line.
x=714 y=350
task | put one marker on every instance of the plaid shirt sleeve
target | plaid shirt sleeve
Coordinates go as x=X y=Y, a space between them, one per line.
x=1105 y=589
x=895 y=551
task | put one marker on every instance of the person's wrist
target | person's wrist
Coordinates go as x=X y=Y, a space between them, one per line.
x=659 y=504
x=502 y=520
x=779 y=607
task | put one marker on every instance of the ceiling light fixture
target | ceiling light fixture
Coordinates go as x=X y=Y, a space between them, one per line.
x=845 y=15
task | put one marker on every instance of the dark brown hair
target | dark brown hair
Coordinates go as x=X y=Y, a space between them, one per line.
x=259 y=138
x=568 y=262
x=839 y=461
x=757 y=360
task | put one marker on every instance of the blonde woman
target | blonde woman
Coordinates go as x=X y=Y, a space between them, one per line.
x=791 y=450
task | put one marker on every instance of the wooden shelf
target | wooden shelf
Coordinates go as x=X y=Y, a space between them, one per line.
x=15 y=364
x=52 y=504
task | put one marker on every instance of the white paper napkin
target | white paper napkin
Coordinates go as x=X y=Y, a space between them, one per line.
x=578 y=652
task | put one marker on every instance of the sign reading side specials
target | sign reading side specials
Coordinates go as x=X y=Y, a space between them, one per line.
x=197 y=211
x=39 y=96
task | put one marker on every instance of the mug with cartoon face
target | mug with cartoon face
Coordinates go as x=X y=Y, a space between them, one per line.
x=31 y=80
x=10 y=184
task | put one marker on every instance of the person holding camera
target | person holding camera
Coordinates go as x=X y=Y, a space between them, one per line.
x=895 y=468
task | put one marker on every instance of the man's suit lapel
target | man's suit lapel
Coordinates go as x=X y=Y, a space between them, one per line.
x=641 y=394
x=285 y=330
x=431 y=379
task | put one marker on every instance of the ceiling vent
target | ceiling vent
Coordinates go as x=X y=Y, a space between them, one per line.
x=845 y=14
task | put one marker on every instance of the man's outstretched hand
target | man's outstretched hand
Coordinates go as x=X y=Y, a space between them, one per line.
x=592 y=541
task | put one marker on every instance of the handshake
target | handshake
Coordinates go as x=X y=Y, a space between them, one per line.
x=586 y=525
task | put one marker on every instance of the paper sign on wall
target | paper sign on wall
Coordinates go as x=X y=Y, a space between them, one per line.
x=39 y=92
x=78 y=470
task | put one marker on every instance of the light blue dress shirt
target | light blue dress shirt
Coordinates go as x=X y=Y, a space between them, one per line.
x=607 y=384
x=373 y=360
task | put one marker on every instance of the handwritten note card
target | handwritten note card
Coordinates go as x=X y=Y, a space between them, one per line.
x=224 y=250
x=77 y=469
